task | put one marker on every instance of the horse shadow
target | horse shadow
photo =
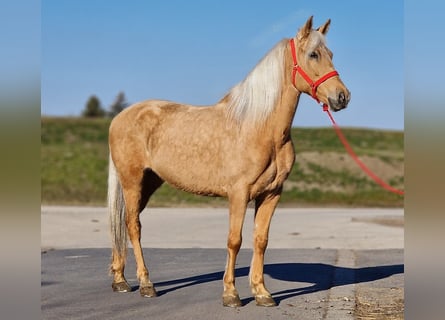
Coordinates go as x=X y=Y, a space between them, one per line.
x=319 y=274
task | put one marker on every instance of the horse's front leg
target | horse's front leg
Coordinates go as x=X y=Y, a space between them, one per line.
x=264 y=209
x=237 y=213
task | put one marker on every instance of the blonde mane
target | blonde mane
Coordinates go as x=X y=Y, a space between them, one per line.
x=253 y=99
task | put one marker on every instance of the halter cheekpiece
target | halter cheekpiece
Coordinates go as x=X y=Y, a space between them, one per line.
x=297 y=68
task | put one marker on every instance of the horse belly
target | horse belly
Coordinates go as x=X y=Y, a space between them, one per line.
x=190 y=160
x=195 y=179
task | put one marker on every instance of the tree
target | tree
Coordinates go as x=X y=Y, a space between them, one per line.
x=118 y=105
x=93 y=108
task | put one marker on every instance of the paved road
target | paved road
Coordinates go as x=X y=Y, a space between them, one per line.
x=318 y=259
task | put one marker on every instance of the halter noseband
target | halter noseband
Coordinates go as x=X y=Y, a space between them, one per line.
x=297 y=68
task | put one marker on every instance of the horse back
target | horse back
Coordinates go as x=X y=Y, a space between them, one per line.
x=184 y=145
x=196 y=149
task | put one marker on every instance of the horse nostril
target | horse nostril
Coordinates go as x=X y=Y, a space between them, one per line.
x=341 y=98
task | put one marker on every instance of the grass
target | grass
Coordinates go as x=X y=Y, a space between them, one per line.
x=364 y=141
x=74 y=164
x=74 y=160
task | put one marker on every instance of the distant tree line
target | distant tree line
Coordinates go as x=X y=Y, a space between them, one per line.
x=94 y=109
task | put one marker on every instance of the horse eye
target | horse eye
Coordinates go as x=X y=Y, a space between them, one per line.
x=313 y=55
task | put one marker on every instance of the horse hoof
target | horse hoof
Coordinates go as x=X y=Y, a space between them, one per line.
x=231 y=301
x=121 y=287
x=265 y=301
x=148 y=292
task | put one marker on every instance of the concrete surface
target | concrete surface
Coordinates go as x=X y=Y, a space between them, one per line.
x=317 y=261
x=87 y=227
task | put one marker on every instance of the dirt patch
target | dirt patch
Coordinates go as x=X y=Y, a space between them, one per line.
x=379 y=304
x=338 y=172
x=305 y=186
x=336 y=161
x=388 y=221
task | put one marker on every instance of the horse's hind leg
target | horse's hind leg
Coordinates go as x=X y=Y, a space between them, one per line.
x=136 y=197
x=117 y=267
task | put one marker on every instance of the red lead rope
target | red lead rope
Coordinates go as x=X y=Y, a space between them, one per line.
x=355 y=157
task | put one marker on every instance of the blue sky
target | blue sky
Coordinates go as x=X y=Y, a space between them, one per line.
x=19 y=53
x=195 y=51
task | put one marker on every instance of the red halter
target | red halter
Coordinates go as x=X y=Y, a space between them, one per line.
x=312 y=84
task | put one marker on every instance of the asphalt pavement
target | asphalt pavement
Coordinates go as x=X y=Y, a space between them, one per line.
x=317 y=262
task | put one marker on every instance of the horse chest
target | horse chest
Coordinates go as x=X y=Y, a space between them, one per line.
x=276 y=172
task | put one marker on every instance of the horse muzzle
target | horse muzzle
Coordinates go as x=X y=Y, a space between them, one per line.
x=340 y=101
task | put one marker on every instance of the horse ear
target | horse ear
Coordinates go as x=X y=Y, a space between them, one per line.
x=325 y=28
x=306 y=29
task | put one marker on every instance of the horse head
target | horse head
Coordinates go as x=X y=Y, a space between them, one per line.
x=313 y=64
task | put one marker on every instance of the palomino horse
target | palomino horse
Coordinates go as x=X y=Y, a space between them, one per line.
x=239 y=148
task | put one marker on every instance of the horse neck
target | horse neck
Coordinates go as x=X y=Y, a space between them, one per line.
x=280 y=121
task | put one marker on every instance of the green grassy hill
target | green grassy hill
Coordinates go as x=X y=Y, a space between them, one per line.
x=74 y=164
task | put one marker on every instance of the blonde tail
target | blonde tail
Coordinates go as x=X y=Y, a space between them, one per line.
x=116 y=207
